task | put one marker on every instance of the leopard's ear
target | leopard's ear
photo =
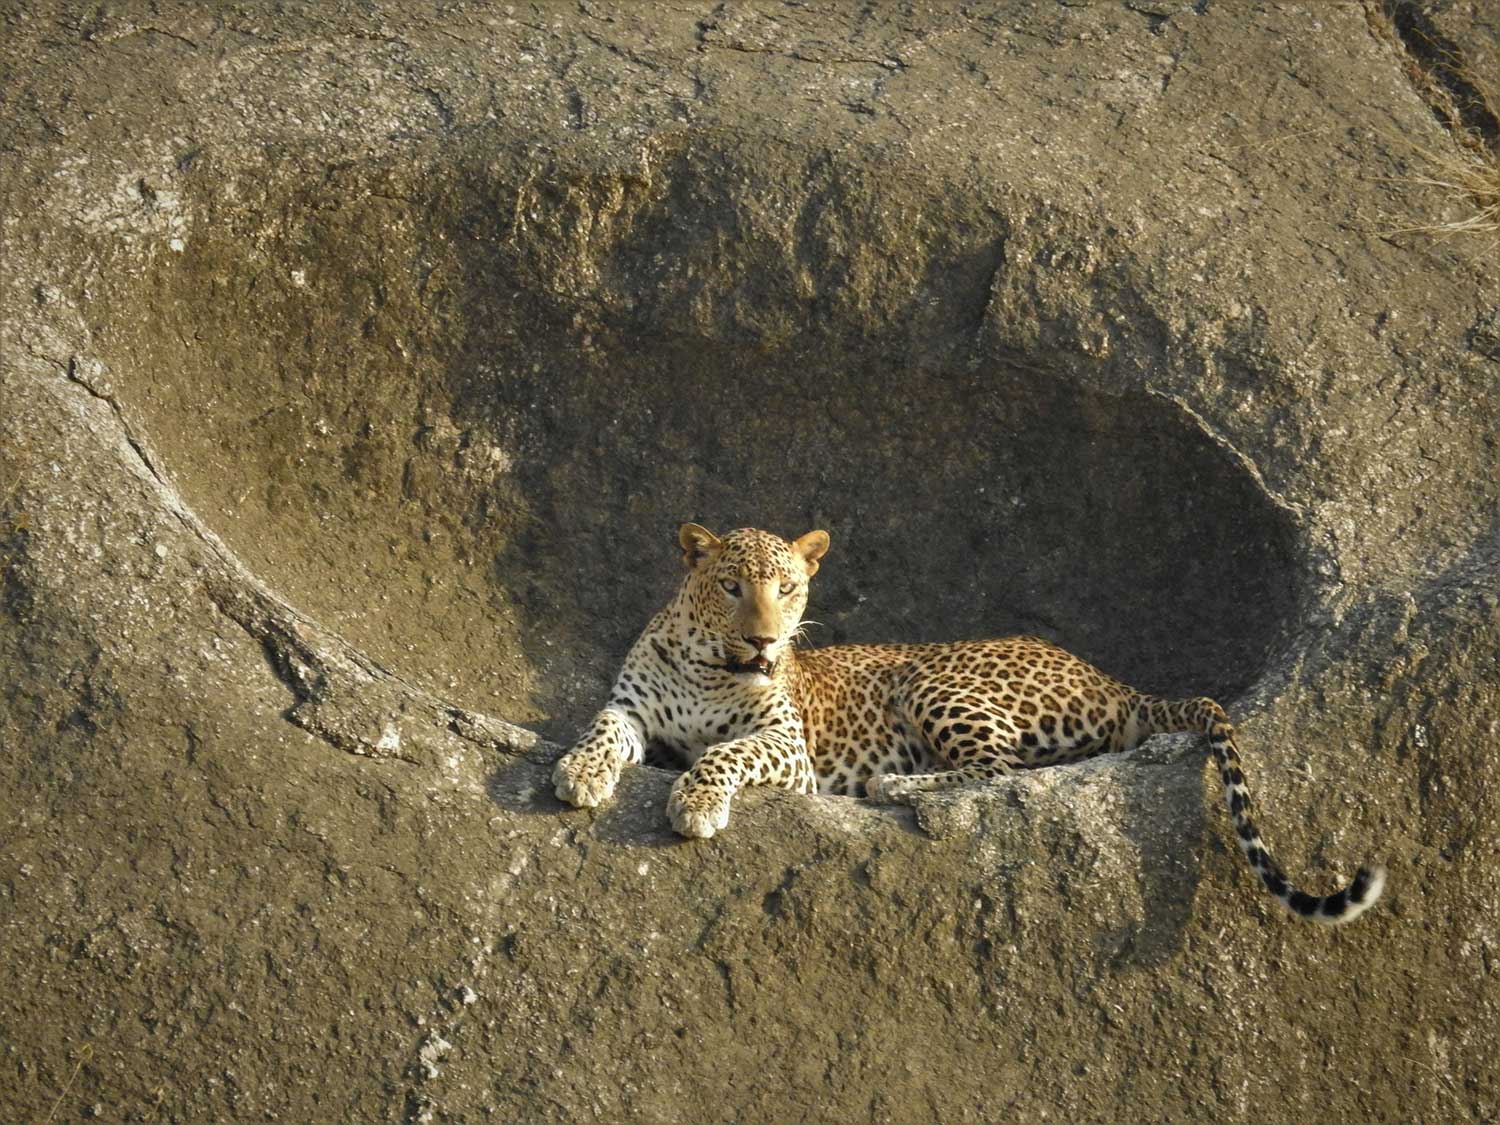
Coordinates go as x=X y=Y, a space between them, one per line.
x=811 y=547
x=697 y=543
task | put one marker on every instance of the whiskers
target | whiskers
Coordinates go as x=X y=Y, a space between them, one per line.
x=800 y=633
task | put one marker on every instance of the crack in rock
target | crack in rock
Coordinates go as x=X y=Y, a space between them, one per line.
x=343 y=696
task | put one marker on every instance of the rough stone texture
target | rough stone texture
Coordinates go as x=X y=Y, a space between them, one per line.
x=358 y=366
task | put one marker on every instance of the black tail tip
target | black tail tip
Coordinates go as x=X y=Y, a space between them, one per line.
x=1367 y=885
x=1345 y=906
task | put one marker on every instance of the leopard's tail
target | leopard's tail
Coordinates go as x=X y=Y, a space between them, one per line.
x=1160 y=716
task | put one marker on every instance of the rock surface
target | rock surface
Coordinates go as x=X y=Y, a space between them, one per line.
x=358 y=366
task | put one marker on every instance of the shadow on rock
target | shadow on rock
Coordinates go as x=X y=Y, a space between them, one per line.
x=1164 y=815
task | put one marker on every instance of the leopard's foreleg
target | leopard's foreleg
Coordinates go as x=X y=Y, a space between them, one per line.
x=587 y=774
x=699 y=804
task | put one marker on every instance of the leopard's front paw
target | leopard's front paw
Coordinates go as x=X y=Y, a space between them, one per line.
x=585 y=780
x=698 y=808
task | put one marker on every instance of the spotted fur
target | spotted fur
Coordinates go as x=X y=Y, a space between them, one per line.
x=715 y=684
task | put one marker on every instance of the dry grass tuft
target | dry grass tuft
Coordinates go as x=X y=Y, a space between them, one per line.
x=1468 y=173
x=1461 y=175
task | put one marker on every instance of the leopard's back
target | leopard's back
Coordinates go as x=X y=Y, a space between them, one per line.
x=880 y=709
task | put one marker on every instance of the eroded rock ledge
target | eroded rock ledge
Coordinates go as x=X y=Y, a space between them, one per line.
x=357 y=370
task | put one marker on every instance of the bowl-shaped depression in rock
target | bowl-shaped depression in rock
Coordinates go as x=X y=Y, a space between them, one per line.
x=459 y=422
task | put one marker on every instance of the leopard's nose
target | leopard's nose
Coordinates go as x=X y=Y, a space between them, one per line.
x=761 y=642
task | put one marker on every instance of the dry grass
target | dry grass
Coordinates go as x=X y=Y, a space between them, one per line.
x=83 y=1057
x=1473 y=182
x=1467 y=173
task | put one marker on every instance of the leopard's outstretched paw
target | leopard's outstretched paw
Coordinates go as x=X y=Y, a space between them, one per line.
x=698 y=810
x=585 y=781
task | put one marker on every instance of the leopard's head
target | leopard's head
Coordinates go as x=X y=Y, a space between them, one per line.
x=746 y=593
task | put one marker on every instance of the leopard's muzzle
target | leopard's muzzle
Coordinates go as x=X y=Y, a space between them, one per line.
x=758 y=665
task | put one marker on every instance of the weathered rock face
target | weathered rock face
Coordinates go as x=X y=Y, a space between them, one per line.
x=358 y=370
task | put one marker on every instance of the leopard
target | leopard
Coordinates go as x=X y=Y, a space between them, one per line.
x=720 y=686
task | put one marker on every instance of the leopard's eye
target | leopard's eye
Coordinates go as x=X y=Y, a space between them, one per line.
x=787 y=588
x=731 y=587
